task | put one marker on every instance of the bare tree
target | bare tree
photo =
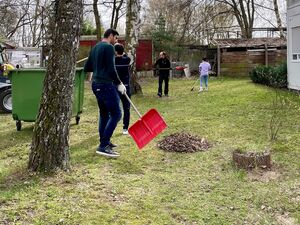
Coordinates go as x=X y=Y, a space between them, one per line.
x=243 y=11
x=8 y=17
x=97 y=19
x=34 y=24
x=22 y=20
x=278 y=18
x=133 y=22
x=50 y=147
x=218 y=21
x=116 y=10
x=187 y=22
x=169 y=23
x=187 y=8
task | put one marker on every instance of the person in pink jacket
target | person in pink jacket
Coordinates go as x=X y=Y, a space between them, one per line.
x=204 y=67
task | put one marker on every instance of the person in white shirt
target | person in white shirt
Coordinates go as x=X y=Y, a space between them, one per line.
x=204 y=67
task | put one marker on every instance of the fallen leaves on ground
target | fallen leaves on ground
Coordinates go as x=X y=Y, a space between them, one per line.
x=183 y=142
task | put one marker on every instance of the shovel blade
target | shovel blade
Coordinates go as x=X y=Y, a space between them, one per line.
x=147 y=128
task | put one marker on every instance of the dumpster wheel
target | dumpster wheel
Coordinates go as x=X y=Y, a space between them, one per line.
x=77 y=118
x=18 y=125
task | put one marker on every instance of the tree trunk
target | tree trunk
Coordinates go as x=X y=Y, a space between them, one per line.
x=279 y=23
x=97 y=19
x=133 y=23
x=50 y=147
x=113 y=14
x=118 y=8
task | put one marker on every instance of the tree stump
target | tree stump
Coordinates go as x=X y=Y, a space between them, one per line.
x=250 y=160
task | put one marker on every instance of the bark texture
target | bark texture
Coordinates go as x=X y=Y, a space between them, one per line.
x=250 y=160
x=133 y=23
x=278 y=18
x=50 y=142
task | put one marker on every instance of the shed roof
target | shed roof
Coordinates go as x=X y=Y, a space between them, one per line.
x=121 y=37
x=7 y=44
x=253 y=42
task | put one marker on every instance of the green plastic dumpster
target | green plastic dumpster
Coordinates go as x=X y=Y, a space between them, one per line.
x=27 y=87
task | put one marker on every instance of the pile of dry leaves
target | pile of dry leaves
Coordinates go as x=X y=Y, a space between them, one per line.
x=183 y=142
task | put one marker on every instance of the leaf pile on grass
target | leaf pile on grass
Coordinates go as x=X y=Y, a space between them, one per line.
x=183 y=142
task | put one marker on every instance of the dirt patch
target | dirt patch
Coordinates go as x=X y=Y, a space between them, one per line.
x=262 y=175
x=296 y=199
x=183 y=142
x=285 y=219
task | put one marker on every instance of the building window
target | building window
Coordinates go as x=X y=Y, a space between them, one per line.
x=295 y=44
x=295 y=57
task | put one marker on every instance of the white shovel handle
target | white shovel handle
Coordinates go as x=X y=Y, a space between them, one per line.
x=81 y=60
x=131 y=103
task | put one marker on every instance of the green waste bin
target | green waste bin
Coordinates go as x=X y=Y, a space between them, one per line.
x=27 y=87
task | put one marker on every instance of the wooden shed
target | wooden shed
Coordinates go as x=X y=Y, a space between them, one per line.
x=143 y=53
x=293 y=57
x=237 y=57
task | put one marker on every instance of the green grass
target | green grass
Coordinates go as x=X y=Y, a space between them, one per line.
x=156 y=187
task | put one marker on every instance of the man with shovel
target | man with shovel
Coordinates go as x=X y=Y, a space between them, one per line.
x=105 y=84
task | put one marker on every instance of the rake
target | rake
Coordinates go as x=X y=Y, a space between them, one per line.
x=194 y=85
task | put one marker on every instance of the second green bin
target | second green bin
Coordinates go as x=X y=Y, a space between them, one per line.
x=27 y=87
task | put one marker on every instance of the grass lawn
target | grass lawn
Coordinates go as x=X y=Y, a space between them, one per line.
x=156 y=187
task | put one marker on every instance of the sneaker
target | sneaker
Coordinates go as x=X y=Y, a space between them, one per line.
x=125 y=131
x=159 y=95
x=206 y=89
x=166 y=95
x=107 y=151
x=112 y=145
x=201 y=89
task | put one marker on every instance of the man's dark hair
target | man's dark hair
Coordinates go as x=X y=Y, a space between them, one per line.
x=119 y=48
x=109 y=32
x=204 y=59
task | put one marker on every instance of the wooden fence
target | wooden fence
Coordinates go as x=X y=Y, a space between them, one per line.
x=240 y=63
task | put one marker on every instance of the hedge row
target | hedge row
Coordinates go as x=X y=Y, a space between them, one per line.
x=270 y=75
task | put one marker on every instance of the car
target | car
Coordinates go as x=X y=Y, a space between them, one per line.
x=5 y=84
x=5 y=97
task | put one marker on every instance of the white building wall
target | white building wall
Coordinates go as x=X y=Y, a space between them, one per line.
x=293 y=43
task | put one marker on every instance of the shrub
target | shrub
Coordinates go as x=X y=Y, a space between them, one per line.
x=279 y=77
x=261 y=74
x=270 y=76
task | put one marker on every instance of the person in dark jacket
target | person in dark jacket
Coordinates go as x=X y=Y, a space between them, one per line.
x=122 y=62
x=105 y=85
x=163 y=65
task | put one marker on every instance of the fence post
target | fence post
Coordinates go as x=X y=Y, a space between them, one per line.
x=266 y=55
x=218 y=61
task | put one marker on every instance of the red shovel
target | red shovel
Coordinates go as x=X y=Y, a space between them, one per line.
x=147 y=127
